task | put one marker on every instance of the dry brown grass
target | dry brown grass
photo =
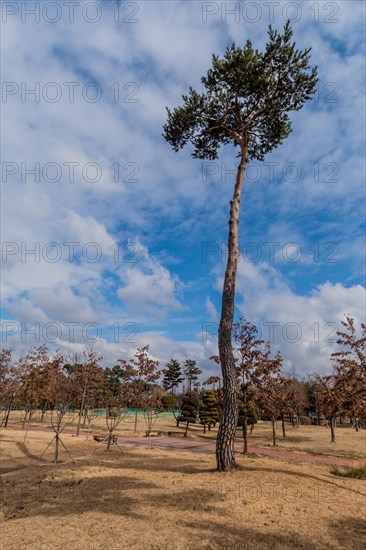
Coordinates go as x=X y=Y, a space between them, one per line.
x=158 y=500
x=314 y=439
x=14 y=451
x=308 y=439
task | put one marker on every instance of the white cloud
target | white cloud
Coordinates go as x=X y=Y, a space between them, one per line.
x=303 y=327
x=169 y=207
x=148 y=286
x=211 y=310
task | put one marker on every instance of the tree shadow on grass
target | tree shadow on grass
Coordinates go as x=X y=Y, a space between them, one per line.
x=277 y=470
x=62 y=494
x=154 y=464
x=348 y=529
x=231 y=537
x=47 y=498
x=24 y=449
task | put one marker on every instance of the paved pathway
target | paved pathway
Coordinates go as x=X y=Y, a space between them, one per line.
x=208 y=446
x=194 y=445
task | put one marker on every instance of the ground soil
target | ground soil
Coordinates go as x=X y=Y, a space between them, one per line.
x=166 y=499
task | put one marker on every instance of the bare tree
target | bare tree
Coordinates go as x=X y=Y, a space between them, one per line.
x=59 y=424
x=114 y=417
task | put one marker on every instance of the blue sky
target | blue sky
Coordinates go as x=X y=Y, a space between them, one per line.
x=149 y=226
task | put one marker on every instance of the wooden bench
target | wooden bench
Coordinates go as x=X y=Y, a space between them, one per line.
x=104 y=439
x=153 y=433
x=176 y=434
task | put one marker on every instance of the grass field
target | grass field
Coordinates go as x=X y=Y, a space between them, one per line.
x=156 y=500
x=308 y=439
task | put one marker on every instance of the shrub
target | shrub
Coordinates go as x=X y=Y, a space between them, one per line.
x=252 y=418
x=169 y=401
x=189 y=409
x=208 y=409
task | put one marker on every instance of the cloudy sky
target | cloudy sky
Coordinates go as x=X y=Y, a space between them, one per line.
x=113 y=240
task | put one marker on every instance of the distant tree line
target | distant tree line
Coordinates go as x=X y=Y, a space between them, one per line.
x=42 y=381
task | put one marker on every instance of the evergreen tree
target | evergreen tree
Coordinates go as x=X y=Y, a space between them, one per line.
x=191 y=372
x=169 y=402
x=172 y=375
x=245 y=102
x=208 y=410
x=189 y=410
x=113 y=385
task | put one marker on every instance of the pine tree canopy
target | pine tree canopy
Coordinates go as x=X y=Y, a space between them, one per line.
x=246 y=98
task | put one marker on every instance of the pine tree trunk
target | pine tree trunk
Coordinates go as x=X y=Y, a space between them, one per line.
x=185 y=433
x=225 y=452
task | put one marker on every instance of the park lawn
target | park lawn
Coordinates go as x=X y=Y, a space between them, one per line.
x=307 y=439
x=14 y=446
x=158 y=500
x=313 y=440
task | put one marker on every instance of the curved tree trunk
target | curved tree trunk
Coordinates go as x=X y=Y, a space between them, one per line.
x=225 y=453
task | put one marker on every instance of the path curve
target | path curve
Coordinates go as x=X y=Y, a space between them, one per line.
x=196 y=445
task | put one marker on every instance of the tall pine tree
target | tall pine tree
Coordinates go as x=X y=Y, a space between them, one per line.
x=191 y=372
x=245 y=102
x=172 y=375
